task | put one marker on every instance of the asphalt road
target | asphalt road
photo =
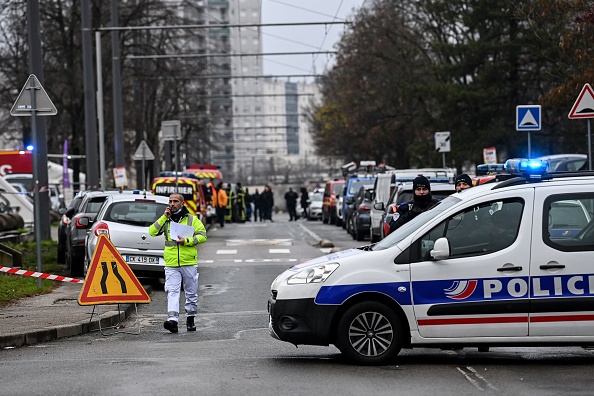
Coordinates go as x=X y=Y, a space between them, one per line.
x=232 y=353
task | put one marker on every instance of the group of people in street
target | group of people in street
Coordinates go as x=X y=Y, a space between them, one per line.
x=236 y=205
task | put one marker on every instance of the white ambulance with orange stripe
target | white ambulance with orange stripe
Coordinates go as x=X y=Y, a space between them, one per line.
x=503 y=263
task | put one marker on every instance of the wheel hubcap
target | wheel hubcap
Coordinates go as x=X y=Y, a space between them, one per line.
x=371 y=334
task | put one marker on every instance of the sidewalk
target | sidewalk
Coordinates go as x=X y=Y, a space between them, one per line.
x=55 y=315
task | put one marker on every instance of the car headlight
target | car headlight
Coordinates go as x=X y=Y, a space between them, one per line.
x=317 y=274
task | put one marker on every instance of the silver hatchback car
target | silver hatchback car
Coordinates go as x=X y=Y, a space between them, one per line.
x=125 y=220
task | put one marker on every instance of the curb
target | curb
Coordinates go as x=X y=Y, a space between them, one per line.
x=107 y=319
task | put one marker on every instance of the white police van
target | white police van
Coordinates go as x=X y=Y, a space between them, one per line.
x=504 y=263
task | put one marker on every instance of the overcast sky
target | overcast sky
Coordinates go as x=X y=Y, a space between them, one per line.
x=302 y=38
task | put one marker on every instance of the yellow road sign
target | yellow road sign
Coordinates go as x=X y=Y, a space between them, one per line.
x=109 y=279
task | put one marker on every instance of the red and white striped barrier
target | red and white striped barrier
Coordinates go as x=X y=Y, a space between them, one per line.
x=16 y=271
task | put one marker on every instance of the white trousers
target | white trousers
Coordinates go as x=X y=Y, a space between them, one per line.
x=174 y=277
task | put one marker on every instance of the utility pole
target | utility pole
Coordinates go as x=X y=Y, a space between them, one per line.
x=89 y=94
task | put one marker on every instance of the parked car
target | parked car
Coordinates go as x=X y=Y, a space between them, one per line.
x=314 y=210
x=567 y=218
x=125 y=220
x=404 y=193
x=332 y=191
x=360 y=219
x=67 y=214
x=80 y=221
x=352 y=186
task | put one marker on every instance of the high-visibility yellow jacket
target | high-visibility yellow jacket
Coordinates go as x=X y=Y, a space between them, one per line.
x=175 y=254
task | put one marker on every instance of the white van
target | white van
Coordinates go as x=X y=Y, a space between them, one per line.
x=493 y=265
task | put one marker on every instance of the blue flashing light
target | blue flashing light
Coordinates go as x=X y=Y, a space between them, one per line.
x=530 y=168
x=490 y=168
x=29 y=147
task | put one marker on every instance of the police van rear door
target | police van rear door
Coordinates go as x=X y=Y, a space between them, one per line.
x=482 y=289
x=562 y=298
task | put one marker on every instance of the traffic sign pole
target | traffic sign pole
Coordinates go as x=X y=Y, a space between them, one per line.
x=36 y=214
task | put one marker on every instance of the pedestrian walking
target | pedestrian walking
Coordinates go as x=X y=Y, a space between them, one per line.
x=291 y=201
x=267 y=202
x=181 y=261
x=304 y=201
x=257 y=198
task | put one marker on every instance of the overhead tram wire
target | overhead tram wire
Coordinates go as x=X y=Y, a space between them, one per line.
x=223 y=76
x=326 y=36
x=170 y=56
x=220 y=26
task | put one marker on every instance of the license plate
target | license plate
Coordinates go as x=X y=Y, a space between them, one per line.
x=142 y=260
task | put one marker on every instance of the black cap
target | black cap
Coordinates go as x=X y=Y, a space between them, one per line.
x=421 y=181
x=464 y=178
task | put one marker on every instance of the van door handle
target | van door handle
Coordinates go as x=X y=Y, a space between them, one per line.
x=510 y=268
x=551 y=266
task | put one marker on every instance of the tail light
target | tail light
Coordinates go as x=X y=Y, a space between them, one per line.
x=81 y=222
x=101 y=228
x=364 y=208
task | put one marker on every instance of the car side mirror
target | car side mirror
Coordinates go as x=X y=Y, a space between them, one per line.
x=69 y=212
x=378 y=206
x=350 y=200
x=441 y=249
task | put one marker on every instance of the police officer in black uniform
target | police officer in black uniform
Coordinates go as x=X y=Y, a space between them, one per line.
x=422 y=201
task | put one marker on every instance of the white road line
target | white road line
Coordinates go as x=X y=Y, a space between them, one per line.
x=311 y=233
x=326 y=250
x=274 y=251
x=230 y=251
x=475 y=378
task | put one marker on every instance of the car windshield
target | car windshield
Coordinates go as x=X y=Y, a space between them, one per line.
x=317 y=198
x=357 y=184
x=337 y=188
x=413 y=225
x=138 y=213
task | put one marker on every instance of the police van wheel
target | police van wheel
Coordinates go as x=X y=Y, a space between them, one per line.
x=369 y=333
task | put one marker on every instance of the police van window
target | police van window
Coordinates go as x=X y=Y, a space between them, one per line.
x=413 y=226
x=568 y=222
x=477 y=230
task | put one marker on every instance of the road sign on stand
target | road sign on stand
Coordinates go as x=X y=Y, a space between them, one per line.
x=143 y=152
x=528 y=118
x=109 y=279
x=171 y=130
x=442 y=142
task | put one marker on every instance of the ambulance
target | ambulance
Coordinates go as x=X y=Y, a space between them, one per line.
x=504 y=263
x=188 y=186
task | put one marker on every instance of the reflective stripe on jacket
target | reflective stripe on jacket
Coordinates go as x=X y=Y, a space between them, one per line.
x=177 y=255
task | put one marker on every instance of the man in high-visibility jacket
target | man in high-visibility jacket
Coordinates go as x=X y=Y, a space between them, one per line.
x=240 y=202
x=181 y=259
x=219 y=202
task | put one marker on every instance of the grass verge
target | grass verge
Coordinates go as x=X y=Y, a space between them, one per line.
x=14 y=287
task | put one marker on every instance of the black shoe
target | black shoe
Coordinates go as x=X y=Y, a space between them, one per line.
x=171 y=325
x=190 y=324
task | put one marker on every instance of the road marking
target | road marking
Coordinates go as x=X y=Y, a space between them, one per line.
x=281 y=251
x=326 y=250
x=258 y=242
x=475 y=378
x=311 y=233
x=230 y=251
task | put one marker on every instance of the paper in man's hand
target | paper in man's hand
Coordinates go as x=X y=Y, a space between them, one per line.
x=176 y=229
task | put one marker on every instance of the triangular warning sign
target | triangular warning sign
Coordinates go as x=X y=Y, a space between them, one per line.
x=109 y=279
x=584 y=105
x=23 y=106
x=143 y=152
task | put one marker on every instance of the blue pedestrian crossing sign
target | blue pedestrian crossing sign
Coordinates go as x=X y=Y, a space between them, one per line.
x=528 y=118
